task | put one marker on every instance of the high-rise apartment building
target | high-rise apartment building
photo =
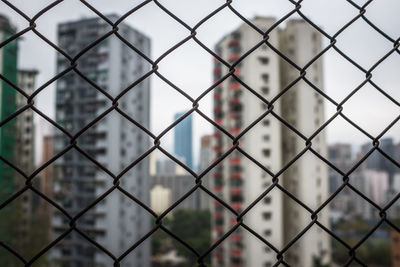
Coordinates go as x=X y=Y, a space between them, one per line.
x=308 y=179
x=237 y=180
x=25 y=160
x=183 y=140
x=116 y=222
x=8 y=69
x=25 y=126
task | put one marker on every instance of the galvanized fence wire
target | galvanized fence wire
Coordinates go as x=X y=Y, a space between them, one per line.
x=240 y=216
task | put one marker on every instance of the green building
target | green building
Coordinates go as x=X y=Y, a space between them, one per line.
x=8 y=69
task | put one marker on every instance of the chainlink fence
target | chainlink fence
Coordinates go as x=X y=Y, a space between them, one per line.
x=157 y=139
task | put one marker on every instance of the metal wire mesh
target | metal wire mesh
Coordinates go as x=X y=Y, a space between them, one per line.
x=240 y=216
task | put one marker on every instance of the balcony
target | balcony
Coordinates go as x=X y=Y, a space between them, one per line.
x=233 y=42
x=233 y=115
x=217 y=134
x=234 y=57
x=217 y=96
x=234 y=131
x=218 y=215
x=219 y=122
x=233 y=221
x=235 y=161
x=237 y=206
x=235 y=100
x=218 y=188
x=217 y=148
x=217 y=174
x=217 y=71
x=236 y=252
x=236 y=175
x=236 y=237
x=218 y=256
x=217 y=109
x=236 y=191
x=234 y=86
x=218 y=229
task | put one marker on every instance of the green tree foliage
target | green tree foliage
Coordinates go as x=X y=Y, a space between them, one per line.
x=194 y=227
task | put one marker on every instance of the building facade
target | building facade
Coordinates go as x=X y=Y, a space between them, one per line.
x=239 y=181
x=206 y=158
x=25 y=151
x=8 y=69
x=308 y=179
x=116 y=222
x=178 y=186
x=183 y=140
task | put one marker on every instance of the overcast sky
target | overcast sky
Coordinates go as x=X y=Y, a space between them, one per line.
x=190 y=67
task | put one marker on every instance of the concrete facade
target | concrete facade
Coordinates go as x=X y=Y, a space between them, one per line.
x=116 y=222
x=178 y=185
x=239 y=181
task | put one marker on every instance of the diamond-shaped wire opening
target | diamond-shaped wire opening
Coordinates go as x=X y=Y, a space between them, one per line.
x=361 y=33
x=319 y=12
x=375 y=117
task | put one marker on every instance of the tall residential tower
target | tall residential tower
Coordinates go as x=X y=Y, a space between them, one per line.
x=238 y=180
x=8 y=69
x=116 y=222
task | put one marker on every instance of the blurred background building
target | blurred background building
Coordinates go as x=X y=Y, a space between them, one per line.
x=114 y=222
x=238 y=181
x=8 y=105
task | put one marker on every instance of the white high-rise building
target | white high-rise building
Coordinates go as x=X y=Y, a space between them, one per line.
x=116 y=222
x=239 y=181
x=308 y=179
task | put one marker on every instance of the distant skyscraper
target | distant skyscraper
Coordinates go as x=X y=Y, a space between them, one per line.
x=206 y=157
x=25 y=126
x=25 y=149
x=116 y=222
x=237 y=180
x=183 y=141
x=8 y=69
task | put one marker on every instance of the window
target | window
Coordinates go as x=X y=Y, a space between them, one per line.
x=314 y=36
x=265 y=77
x=236 y=35
x=263 y=60
x=268 y=264
x=266 y=152
x=267 y=200
x=267 y=232
x=265 y=122
x=266 y=137
x=267 y=215
x=265 y=90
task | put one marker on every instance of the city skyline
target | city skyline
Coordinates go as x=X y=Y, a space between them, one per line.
x=197 y=82
x=82 y=173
